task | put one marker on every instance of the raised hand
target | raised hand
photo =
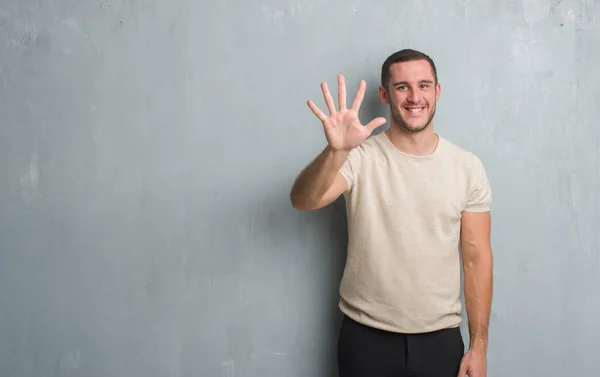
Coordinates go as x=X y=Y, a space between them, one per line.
x=342 y=127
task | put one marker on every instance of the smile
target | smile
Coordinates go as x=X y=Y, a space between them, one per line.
x=415 y=109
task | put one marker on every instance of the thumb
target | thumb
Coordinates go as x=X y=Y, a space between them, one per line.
x=464 y=367
x=375 y=123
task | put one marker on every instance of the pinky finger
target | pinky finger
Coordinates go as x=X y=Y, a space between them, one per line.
x=316 y=111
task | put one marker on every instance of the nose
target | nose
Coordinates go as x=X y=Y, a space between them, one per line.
x=414 y=96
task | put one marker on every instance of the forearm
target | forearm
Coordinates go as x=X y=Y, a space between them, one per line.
x=314 y=181
x=478 y=287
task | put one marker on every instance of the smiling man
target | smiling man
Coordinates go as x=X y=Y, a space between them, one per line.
x=413 y=200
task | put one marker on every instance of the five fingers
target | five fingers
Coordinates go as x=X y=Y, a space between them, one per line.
x=341 y=98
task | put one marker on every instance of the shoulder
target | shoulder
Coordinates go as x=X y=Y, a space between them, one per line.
x=461 y=156
x=369 y=147
x=479 y=191
x=352 y=167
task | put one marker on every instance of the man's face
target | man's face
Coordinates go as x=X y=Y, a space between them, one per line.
x=412 y=94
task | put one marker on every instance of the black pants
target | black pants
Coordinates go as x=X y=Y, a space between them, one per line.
x=367 y=352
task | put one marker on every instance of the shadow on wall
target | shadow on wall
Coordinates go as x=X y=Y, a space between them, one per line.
x=323 y=237
x=278 y=266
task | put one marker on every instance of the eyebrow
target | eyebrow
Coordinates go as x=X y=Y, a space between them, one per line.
x=420 y=82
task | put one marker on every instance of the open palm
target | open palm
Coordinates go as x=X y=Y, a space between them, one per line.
x=342 y=127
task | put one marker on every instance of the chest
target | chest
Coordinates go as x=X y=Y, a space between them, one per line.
x=435 y=190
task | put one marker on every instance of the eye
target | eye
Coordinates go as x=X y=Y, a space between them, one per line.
x=401 y=87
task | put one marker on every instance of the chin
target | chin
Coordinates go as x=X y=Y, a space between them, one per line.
x=414 y=129
x=410 y=122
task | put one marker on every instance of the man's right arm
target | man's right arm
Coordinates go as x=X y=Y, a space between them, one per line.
x=321 y=182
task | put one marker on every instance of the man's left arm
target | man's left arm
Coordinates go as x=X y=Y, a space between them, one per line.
x=478 y=276
x=477 y=266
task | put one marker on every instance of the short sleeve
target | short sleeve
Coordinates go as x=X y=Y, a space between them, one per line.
x=350 y=168
x=480 y=191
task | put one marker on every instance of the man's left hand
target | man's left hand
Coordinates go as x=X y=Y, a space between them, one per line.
x=473 y=363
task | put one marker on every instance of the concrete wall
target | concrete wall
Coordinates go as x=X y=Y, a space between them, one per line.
x=147 y=149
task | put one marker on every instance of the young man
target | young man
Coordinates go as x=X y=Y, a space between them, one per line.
x=412 y=199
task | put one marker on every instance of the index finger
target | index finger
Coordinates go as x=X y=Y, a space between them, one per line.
x=360 y=94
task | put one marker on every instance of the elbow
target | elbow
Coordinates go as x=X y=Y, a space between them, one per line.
x=481 y=257
x=296 y=204
x=301 y=202
x=297 y=201
x=300 y=205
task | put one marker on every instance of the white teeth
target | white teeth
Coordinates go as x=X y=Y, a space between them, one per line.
x=415 y=110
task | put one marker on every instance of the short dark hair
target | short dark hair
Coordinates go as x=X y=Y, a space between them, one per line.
x=404 y=56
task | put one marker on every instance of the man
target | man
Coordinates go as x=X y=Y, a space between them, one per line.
x=412 y=199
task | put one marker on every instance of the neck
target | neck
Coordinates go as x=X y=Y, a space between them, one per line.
x=421 y=143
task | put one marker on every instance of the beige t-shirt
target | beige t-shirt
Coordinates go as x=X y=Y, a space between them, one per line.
x=402 y=272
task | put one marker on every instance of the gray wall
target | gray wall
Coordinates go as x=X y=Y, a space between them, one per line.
x=147 y=149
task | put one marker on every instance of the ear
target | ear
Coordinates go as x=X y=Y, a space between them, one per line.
x=383 y=96
x=438 y=90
